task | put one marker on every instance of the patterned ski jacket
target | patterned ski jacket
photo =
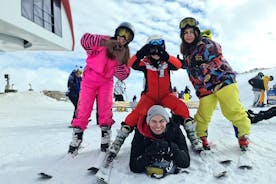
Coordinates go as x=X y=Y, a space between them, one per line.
x=207 y=68
x=97 y=60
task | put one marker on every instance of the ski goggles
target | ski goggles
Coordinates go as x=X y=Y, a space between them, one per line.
x=126 y=33
x=155 y=172
x=188 y=21
x=157 y=42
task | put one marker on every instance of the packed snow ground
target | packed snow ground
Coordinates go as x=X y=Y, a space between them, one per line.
x=34 y=137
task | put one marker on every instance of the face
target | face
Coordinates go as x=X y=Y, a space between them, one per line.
x=156 y=57
x=189 y=35
x=122 y=41
x=158 y=124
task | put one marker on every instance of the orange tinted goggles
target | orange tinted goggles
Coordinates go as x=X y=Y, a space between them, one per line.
x=123 y=32
x=188 y=21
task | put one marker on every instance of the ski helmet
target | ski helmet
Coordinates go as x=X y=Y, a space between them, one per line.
x=260 y=74
x=129 y=27
x=207 y=33
x=271 y=78
x=189 y=22
x=156 y=40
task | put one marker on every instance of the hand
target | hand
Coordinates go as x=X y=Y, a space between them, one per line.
x=163 y=53
x=111 y=47
x=174 y=147
x=158 y=151
x=144 y=51
x=183 y=61
x=159 y=148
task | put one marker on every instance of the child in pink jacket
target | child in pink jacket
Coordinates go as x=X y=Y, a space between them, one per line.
x=106 y=57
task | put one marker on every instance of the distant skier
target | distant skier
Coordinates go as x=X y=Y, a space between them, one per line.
x=175 y=92
x=214 y=81
x=257 y=87
x=134 y=98
x=119 y=90
x=106 y=57
x=158 y=147
x=73 y=84
x=266 y=80
x=187 y=94
x=271 y=95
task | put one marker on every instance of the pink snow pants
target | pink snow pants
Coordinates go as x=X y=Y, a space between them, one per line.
x=94 y=84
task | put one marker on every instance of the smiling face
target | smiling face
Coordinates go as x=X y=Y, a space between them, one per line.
x=158 y=124
x=189 y=35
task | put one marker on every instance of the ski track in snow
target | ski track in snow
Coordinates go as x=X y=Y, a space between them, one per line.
x=34 y=138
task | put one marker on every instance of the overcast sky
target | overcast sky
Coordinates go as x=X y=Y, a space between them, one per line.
x=246 y=30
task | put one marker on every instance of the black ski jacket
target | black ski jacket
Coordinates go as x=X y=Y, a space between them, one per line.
x=257 y=83
x=139 y=158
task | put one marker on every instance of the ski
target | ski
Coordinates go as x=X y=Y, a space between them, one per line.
x=245 y=161
x=217 y=168
x=103 y=174
x=96 y=165
x=48 y=173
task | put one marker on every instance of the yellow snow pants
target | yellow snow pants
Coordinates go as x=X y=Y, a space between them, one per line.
x=231 y=107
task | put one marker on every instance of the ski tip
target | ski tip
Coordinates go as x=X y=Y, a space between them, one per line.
x=221 y=174
x=44 y=175
x=101 y=181
x=245 y=167
x=93 y=169
x=225 y=162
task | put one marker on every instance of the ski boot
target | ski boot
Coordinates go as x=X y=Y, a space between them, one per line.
x=243 y=142
x=105 y=139
x=76 y=141
x=120 y=138
x=205 y=143
x=189 y=126
x=116 y=145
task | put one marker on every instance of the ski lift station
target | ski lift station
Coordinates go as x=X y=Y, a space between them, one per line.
x=36 y=25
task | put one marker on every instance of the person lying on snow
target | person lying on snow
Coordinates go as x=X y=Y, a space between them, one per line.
x=262 y=115
x=158 y=147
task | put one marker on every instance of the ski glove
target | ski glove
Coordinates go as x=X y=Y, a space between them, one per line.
x=163 y=54
x=183 y=61
x=122 y=72
x=158 y=151
x=144 y=51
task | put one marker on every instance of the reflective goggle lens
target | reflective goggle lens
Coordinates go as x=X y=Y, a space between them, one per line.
x=123 y=32
x=155 y=171
x=188 y=21
x=157 y=42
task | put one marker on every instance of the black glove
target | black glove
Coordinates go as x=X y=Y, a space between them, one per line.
x=157 y=151
x=174 y=148
x=164 y=56
x=184 y=63
x=144 y=51
x=177 y=119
